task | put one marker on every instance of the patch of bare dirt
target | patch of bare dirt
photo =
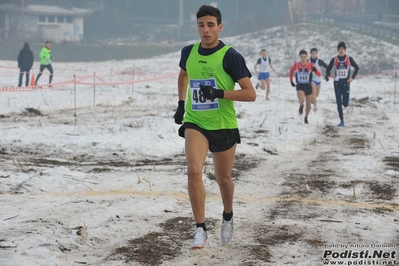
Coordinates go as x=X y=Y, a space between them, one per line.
x=382 y=191
x=32 y=112
x=303 y=184
x=392 y=162
x=330 y=131
x=358 y=143
x=156 y=247
x=271 y=235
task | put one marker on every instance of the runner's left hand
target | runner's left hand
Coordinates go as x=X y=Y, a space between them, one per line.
x=210 y=93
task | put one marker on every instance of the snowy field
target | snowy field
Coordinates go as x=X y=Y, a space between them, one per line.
x=96 y=175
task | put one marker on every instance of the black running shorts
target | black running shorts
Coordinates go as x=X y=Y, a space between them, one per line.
x=306 y=88
x=219 y=140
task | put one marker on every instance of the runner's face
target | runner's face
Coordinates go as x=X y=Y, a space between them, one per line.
x=48 y=45
x=304 y=58
x=341 y=51
x=264 y=54
x=314 y=54
x=208 y=30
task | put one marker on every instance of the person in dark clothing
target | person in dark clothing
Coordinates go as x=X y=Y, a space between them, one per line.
x=25 y=63
x=342 y=78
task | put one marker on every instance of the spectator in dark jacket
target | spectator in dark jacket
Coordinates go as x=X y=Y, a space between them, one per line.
x=25 y=63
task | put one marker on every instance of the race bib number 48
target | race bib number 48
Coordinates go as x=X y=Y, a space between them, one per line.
x=199 y=102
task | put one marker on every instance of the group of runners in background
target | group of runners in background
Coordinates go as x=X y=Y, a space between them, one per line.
x=308 y=77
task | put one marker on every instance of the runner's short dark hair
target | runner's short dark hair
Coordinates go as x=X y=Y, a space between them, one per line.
x=303 y=52
x=313 y=50
x=263 y=50
x=206 y=10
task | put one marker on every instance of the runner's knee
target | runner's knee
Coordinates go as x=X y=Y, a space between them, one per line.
x=223 y=180
x=193 y=172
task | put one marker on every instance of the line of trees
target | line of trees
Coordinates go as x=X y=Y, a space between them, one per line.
x=117 y=18
x=122 y=18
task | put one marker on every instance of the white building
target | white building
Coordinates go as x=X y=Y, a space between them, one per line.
x=42 y=22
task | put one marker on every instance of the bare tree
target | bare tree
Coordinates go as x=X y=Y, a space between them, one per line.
x=18 y=25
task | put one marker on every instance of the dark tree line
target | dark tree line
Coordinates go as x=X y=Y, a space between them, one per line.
x=116 y=18
x=121 y=18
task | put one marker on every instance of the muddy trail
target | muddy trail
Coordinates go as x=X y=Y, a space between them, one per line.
x=325 y=197
x=289 y=206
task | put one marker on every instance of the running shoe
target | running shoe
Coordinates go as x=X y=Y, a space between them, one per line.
x=257 y=85
x=315 y=109
x=199 y=238
x=341 y=124
x=301 y=109
x=226 y=234
x=306 y=120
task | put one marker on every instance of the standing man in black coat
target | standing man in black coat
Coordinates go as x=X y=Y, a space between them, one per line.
x=25 y=63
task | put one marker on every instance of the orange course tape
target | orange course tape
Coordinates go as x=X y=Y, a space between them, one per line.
x=81 y=82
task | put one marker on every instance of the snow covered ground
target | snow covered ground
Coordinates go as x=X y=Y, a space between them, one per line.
x=105 y=183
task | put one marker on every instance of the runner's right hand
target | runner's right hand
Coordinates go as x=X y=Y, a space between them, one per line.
x=293 y=84
x=179 y=113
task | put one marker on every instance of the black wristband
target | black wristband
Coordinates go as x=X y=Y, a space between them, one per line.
x=220 y=94
x=180 y=103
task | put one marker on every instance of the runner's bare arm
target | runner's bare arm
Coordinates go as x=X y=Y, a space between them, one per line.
x=256 y=68
x=271 y=66
x=245 y=94
x=182 y=85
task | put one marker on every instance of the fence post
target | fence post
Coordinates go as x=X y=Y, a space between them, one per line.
x=396 y=78
x=94 y=90
x=74 y=86
x=133 y=83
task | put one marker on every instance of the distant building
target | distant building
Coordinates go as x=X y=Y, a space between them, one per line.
x=42 y=22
